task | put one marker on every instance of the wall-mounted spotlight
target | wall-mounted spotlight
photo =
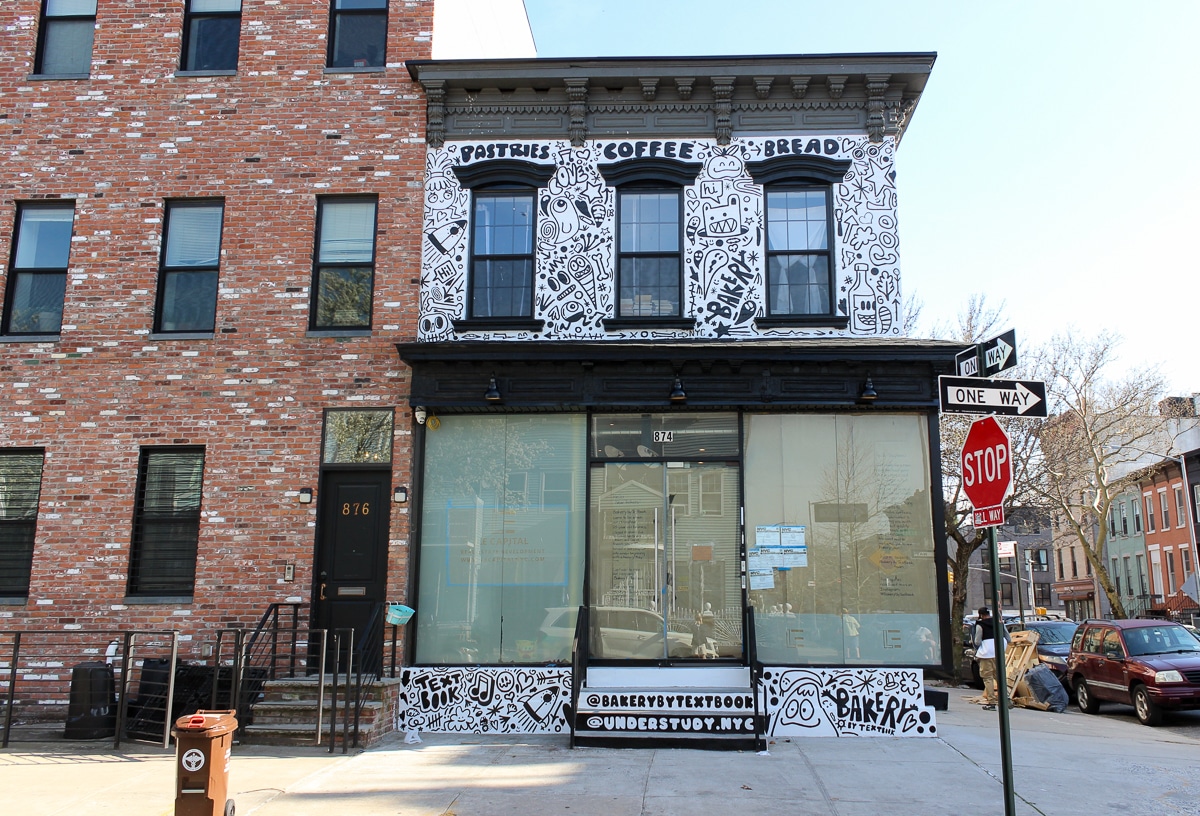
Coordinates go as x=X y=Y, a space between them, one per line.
x=868 y=393
x=400 y=495
x=419 y=414
x=493 y=393
x=305 y=496
x=678 y=395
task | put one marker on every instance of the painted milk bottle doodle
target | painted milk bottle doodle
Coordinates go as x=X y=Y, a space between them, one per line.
x=863 y=316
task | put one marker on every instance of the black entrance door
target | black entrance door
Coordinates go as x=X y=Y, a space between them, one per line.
x=351 y=560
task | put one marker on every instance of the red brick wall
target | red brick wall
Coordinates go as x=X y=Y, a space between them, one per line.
x=120 y=143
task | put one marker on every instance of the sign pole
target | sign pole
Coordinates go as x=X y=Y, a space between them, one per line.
x=1010 y=800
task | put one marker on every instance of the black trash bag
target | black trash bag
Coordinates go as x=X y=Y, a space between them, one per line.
x=1046 y=687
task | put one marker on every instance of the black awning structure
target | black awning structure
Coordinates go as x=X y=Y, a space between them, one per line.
x=808 y=374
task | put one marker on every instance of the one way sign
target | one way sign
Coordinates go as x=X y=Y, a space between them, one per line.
x=976 y=395
x=999 y=354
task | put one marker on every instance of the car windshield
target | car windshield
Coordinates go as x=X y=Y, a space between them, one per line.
x=1053 y=634
x=1149 y=640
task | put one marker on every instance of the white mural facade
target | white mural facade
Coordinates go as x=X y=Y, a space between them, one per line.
x=723 y=242
x=794 y=702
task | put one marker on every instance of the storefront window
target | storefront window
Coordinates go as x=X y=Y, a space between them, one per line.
x=502 y=532
x=839 y=539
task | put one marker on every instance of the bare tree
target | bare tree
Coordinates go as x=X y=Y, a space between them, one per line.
x=1101 y=429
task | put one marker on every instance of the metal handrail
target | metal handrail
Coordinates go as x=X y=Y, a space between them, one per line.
x=750 y=635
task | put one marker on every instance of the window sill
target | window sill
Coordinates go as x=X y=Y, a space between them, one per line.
x=222 y=72
x=13 y=600
x=498 y=324
x=802 y=321
x=145 y=600
x=366 y=69
x=30 y=338
x=338 y=333
x=182 y=335
x=43 y=77
x=619 y=323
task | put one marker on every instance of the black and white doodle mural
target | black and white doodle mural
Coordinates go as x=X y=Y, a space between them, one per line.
x=475 y=700
x=724 y=242
x=846 y=702
x=796 y=702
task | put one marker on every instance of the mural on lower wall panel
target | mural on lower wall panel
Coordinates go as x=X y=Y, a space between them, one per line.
x=846 y=702
x=796 y=701
x=723 y=241
x=484 y=700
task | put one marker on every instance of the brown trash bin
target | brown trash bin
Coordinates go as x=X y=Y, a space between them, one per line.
x=203 y=744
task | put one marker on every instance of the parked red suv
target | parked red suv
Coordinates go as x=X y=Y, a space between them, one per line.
x=1149 y=664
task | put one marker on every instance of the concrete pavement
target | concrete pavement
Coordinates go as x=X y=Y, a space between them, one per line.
x=1065 y=764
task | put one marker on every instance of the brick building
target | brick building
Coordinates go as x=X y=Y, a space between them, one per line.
x=210 y=234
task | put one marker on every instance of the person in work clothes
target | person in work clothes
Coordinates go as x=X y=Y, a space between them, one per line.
x=985 y=653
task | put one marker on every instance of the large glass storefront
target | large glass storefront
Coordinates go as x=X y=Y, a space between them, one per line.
x=822 y=524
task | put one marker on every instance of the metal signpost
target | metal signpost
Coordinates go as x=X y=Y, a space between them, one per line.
x=986 y=462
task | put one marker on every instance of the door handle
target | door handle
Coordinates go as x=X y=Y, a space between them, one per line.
x=321 y=597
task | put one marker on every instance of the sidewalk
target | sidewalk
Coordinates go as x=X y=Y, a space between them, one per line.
x=1065 y=764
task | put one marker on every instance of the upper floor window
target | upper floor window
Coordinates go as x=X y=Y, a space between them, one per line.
x=37 y=279
x=166 y=521
x=650 y=267
x=1124 y=520
x=1166 y=509
x=1149 y=513
x=504 y=196
x=502 y=253
x=801 y=273
x=211 y=29
x=1180 y=510
x=358 y=34
x=345 y=269
x=20 y=490
x=65 y=38
x=649 y=258
x=798 y=262
x=187 y=284
x=1137 y=515
x=1040 y=560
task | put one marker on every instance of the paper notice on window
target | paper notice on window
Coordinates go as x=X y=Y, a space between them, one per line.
x=781 y=546
x=762 y=578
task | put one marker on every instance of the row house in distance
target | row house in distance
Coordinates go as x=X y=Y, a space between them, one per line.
x=210 y=218
x=669 y=424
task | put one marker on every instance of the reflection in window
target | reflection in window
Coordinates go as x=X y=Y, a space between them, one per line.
x=862 y=496
x=211 y=29
x=648 y=259
x=38 y=280
x=187 y=289
x=65 y=38
x=20 y=490
x=345 y=273
x=502 y=255
x=798 y=265
x=358 y=34
x=501 y=581
x=166 y=523
x=358 y=437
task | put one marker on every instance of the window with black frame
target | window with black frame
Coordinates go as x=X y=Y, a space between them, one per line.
x=649 y=257
x=191 y=257
x=799 y=280
x=344 y=277
x=65 y=35
x=166 y=523
x=37 y=277
x=358 y=34
x=211 y=30
x=20 y=491
x=502 y=253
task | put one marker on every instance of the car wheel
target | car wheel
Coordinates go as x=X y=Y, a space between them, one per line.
x=1084 y=699
x=1148 y=712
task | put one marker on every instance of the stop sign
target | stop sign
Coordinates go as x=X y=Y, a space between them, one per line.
x=986 y=463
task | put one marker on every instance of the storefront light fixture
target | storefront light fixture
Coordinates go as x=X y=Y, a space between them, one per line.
x=493 y=393
x=400 y=495
x=678 y=395
x=305 y=495
x=419 y=414
x=868 y=393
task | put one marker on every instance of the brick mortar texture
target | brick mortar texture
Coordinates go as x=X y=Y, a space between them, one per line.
x=121 y=143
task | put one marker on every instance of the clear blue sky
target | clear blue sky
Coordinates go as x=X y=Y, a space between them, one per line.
x=1051 y=164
